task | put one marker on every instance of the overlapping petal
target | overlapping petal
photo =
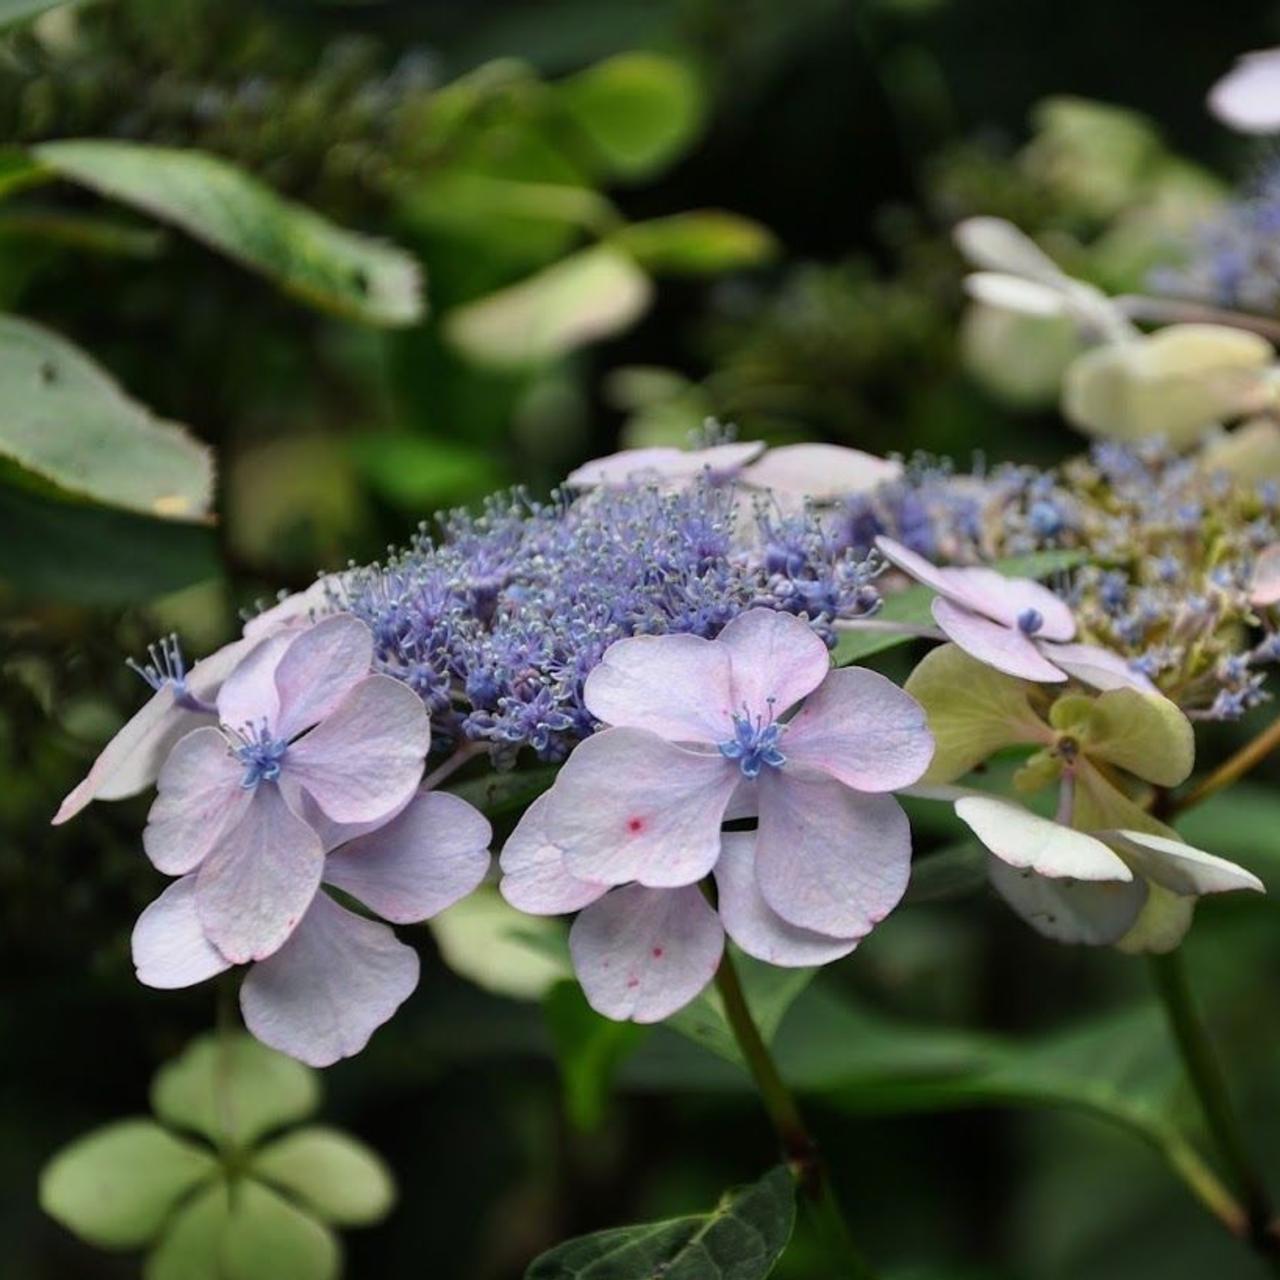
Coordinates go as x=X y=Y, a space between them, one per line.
x=433 y=853
x=830 y=859
x=199 y=798
x=820 y=471
x=321 y=665
x=753 y=924
x=776 y=660
x=361 y=762
x=641 y=953
x=534 y=877
x=630 y=806
x=170 y=948
x=863 y=730
x=1004 y=648
x=1095 y=912
x=330 y=987
x=255 y=886
x=677 y=686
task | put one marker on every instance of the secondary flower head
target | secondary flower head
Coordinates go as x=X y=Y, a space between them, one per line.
x=303 y=723
x=1012 y=624
x=1134 y=887
x=338 y=976
x=699 y=731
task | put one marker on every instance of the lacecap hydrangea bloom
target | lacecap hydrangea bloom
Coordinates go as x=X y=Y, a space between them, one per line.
x=306 y=773
x=699 y=731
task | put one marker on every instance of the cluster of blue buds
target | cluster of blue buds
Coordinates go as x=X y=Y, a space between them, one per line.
x=496 y=619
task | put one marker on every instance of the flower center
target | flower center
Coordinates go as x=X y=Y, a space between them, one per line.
x=1030 y=621
x=754 y=744
x=260 y=754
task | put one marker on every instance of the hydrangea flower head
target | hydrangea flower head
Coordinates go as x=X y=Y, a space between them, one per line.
x=1012 y=624
x=699 y=731
x=302 y=722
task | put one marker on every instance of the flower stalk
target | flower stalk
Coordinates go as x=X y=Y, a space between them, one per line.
x=1205 y=1073
x=798 y=1145
x=1252 y=754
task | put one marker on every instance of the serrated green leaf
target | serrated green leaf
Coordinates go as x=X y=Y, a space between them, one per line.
x=502 y=949
x=67 y=421
x=701 y=242
x=638 y=111
x=267 y=1238
x=589 y=295
x=233 y=1089
x=312 y=258
x=336 y=1177
x=589 y=1049
x=116 y=1186
x=740 y=1239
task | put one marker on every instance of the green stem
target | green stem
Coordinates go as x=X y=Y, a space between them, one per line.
x=1205 y=1073
x=798 y=1146
x=1248 y=757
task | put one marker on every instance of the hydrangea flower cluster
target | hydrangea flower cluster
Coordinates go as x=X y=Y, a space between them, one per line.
x=498 y=621
x=1234 y=260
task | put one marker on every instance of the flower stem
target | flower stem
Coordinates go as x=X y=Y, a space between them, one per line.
x=799 y=1148
x=467 y=751
x=1176 y=311
x=1205 y=1073
x=1248 y=757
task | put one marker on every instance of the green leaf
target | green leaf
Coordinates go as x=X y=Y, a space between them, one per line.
x=267 y=1238
x=911 y=607
x=215 y=202
x=502 y=949
x=740 y=1239
x=51 y=550
x=189 y=1248
x=589 y=295
x=769 y=990
x=702 y=242
x=81 y=231
x=67 y=421
x=116 y=1186
x=638 y=111
x=233 y=1089
x=954 y=872
x=339 y=1178
x=589 y=1049
x=499 y=793
x=12 y=11
x=420 y=474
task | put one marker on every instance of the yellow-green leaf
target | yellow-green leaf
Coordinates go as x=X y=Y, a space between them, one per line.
x=701 y=242
x=335 y=1176
x=591 y=294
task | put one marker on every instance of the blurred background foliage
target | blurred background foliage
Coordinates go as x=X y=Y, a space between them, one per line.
x=697 y=207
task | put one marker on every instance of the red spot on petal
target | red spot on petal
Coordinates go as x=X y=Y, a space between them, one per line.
x=635 y=825
x=657 y=953
x=633 y=982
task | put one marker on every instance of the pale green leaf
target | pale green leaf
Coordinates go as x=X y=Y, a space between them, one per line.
x=740 y=1239
x=215 y=202
x=68 y=422
x=701 y=242
x=592 y=294
x=233 y=1089
x=335 y=1176
x=1174 y=383
x=638 y=111
x=972 y=711
x=116 y=1186
x=190 y=1246
x=267 y=1238
x=502 y=949
x=13 y=11
x=1143 y=733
